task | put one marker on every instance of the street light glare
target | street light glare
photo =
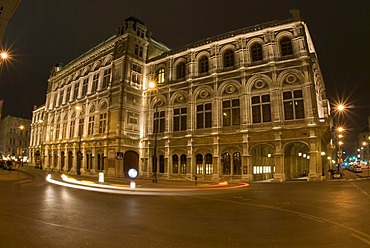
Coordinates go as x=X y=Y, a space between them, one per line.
x=4 y=55
x=340 y=107
x=340 y=129
x=151 y=85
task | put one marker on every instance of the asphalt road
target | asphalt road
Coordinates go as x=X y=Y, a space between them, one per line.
x=336 y=213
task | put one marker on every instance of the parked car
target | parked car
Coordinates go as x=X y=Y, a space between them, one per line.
x=8 y=165
x=357 y=169
x=335 y=174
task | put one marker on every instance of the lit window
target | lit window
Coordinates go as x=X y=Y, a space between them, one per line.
x=160 y=76
x=199 y=162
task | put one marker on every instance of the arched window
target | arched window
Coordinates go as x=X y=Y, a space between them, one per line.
x=175 y=164
x=237 y=163
x=226 y=162
x=160 y=76
x=183 y=164
x=256 y=52
x=209 y=164
x=199 y=162
x=180 y=70
x=161 y=164
x=203 y=64
x=89 y=161
x=229 y=59
x=100 y=161
x=286 y=46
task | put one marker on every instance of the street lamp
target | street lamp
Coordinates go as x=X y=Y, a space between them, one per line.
x=79 y=153
x=152 y=86
x=340 y=131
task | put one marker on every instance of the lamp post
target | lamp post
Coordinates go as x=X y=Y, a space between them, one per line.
x=340 y=131
x=79 y=153
x=152 y=86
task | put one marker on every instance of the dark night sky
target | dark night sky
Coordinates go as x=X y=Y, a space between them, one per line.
x=43 y=33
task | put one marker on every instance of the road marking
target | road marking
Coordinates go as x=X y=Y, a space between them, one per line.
x=361 y=238
x=312 y=218
x=363 y=191
x=272 y=207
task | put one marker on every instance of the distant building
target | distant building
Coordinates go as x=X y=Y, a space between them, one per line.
x=363 y=151
x=7 y=9
x=245 y=105
x=14 y=137
x=37 y=135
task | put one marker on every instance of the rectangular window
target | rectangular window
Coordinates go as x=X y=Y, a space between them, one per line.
x=136 y=74
x=231 y=112
x=84 y=86
x=64 y=130
x=179 y=119
x=94 y=83
x=90 y=128
x=261 y=109
x=102 y=122
x=60 y=95
x=140 y=32
x=204 y=115
x=57 y=131
x=55 y=100
x=209 y=164
x=81 y=123
x=68 y=93
x=139 y=51
x=106 y=77
x=293 y=105
x=159 y=122
x=72 y=128
x=75 y=90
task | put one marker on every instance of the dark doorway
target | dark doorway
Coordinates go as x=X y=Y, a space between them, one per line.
x=131 y=161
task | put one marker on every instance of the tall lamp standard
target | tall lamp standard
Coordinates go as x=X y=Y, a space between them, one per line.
x=152 y=86
x=21 y=128
x=340 y=131
x=79 y=153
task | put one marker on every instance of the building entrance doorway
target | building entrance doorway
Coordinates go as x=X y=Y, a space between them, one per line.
x=130 y=161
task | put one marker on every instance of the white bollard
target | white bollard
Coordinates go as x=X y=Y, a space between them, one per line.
x=101 y=177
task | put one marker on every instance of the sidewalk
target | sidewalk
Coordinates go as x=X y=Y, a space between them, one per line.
x=13 y=175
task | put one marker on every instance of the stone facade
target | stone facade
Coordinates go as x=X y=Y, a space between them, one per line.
x=14 y=138
x=246 y=105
